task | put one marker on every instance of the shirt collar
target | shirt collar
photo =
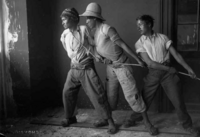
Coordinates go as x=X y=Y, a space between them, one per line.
x=78 y=29
x=153 y=35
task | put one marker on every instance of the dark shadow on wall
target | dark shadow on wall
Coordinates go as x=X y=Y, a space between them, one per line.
x=44 y=90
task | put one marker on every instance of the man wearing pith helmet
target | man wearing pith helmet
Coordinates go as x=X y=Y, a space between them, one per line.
x=111 y=49
x=82 y=73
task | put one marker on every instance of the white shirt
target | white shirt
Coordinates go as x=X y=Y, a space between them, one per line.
x=105 y=45
x=156 y=46
x=76 y=45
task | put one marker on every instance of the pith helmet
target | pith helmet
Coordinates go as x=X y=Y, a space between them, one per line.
x=93 y=10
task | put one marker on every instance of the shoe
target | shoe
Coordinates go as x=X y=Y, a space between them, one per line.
x=2 y=135
x=67 y=122
x=101 y=123
x=152 y=130
x=193 y=131
x=129 y=123
x=112 y=130
x=137 y=117
x=132 y=121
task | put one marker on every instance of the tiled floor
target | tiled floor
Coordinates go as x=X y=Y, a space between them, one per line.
x=47 y=124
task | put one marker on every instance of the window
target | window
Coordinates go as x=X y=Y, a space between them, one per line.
x=188 y=25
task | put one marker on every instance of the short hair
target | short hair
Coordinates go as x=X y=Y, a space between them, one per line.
x=71 y=12
x=146 y=18
x=98 y=19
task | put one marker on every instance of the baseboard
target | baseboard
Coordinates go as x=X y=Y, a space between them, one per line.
x=194 y=107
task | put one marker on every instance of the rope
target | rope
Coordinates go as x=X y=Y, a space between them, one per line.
x=82 y=44
x=140 y=66
x=129 y=64
x=188 y=75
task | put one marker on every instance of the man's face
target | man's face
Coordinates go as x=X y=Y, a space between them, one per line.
x=66 y=22
x=90 y=21
x=143 y=27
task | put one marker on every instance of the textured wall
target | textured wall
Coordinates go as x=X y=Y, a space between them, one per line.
x=19 y=53
x=14 y=53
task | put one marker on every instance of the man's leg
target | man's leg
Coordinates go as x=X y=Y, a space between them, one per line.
x=70 y=92
x=131 y=93
x=112 y=88
x=172 y=86
x=151 y=84
x=97 y=95
x=148 y=98
x=135 y=99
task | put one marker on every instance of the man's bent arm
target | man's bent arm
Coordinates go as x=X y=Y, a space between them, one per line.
x=152 y=64
x=181 y=61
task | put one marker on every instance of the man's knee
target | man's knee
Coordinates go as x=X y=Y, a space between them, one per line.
x=67 y=93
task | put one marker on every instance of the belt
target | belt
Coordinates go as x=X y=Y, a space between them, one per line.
x=81 y=67
x=118 y=63
x=110 y=62
x=166 y=63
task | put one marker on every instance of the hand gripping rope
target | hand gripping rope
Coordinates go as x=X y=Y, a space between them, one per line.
x=138 y=65
x=87 y=50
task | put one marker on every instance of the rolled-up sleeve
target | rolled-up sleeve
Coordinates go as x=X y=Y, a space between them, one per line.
x=167 y=42
x=111 y=31
x=139 y=46
x=114 y=36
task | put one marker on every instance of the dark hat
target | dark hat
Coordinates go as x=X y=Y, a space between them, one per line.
x=72 y=12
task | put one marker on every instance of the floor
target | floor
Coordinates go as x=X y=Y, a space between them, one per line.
x=47 y=124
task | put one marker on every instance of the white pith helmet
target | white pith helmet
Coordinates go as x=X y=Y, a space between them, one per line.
x=94 y=10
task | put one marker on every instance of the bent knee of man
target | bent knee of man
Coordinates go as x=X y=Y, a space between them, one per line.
x=137 y=103
x=67 y=94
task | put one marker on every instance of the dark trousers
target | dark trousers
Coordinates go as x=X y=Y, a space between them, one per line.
x=93 y=87
x=171 y=85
